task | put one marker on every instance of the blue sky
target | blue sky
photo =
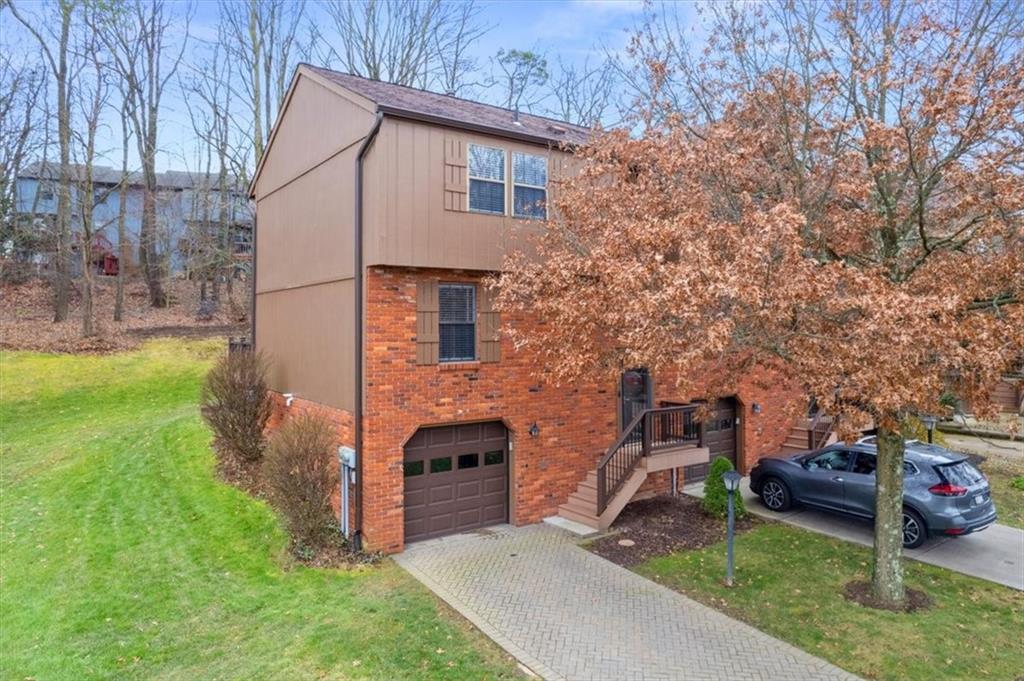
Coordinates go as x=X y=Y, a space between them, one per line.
x=572 y=30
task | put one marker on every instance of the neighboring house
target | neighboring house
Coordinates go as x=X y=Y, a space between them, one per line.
x=187 y=203
x=380 y=210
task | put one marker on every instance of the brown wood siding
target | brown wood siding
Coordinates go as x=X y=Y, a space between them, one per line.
x=316 y=124
x=305 y=205
x=427 y=329
x=305 y=228
x=412 y=172
x=307 y=335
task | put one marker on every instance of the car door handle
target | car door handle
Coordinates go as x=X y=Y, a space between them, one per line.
x=838 y=478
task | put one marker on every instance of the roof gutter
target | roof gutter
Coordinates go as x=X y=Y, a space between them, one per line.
x=473 y=127
x=357 y=415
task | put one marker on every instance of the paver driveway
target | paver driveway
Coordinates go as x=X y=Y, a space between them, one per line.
x=568 y=614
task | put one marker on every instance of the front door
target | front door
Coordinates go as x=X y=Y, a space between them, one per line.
x=720 y=437
x=635 y=394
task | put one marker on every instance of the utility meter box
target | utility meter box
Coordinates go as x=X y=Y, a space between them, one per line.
x=347 y=456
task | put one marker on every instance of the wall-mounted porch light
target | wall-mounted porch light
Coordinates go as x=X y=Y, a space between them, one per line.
x=756 y=407
x=534 y=430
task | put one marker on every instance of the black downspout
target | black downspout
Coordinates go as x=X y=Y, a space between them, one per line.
x=252 y=311
x=357 y=415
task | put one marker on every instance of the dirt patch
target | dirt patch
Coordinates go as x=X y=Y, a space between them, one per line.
x=26 y=317
x=659 y=526
x=860 y=593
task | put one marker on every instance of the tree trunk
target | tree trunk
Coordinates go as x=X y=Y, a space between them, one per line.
x=88 y=329
x=148 y=256
x=62 y=264
x=887 y=571
x=122 y=215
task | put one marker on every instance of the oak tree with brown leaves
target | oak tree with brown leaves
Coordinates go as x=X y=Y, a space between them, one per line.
x=839 y=201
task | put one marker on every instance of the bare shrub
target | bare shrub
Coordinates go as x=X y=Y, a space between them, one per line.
x=236 y=404
x=298 y=472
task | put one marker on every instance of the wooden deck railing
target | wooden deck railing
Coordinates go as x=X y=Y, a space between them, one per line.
x=650 y=431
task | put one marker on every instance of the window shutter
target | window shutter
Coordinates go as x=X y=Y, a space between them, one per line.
x=488 y=327
x=455 y=174
x=427 y=334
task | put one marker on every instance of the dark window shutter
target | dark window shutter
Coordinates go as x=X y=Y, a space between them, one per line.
x=489 y=326
x=455 y=174
x=427 y=334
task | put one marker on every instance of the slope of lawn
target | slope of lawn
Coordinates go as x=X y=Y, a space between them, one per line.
x=121 y=556
x=789 y=584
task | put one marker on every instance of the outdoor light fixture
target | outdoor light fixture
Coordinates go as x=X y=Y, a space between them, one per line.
x=732 y=483
x=756 y=407
x=929 y=423
x=534 y=430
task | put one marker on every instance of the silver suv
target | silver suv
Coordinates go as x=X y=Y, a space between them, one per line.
x=942 y=492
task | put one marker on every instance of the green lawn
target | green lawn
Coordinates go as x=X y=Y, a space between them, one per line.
x=122 y=557
x=789 y=584
x=1009 y=500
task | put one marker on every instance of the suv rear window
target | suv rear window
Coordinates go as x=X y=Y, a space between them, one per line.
x=960 y=473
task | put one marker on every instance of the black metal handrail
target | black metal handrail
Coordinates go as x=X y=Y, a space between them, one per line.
x=650 y=431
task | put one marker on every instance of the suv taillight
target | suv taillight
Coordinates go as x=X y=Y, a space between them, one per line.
x=945 y=489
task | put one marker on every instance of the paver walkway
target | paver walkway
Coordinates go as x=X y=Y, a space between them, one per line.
x=995 y=554
x=566 y=613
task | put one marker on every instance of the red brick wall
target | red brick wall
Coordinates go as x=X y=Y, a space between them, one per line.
x=576 y=424
x=342 y=421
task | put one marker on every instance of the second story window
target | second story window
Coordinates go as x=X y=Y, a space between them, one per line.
x=486 y=179
x=457 y=322
x=529 y=186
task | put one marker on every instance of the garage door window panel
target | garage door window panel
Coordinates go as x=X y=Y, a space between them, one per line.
x=442 y=465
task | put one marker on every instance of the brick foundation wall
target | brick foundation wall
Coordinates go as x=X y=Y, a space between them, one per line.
x=341 y=420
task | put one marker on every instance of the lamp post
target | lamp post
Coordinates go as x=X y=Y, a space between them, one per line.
x=732 y=483
x=929 y=423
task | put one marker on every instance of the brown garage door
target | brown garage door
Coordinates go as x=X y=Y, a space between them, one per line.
x=719 y=437
x=456 y=479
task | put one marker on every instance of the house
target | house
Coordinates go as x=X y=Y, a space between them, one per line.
x=380 y=209
x=188 y=206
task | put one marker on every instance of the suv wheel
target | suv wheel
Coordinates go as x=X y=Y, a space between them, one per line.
x=914 y=531
x=775 y=495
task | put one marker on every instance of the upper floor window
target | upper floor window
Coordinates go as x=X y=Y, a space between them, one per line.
x=457 y=322
x=529 y=185
x=486 y=179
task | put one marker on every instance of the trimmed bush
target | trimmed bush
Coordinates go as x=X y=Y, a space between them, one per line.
x=716 y=498
x=236 y=404
x=299 y=471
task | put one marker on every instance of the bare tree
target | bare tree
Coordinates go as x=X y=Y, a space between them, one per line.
x=143 y=53
x=452 y=41
x=582 y=94
x=522 y=73
x=421 y=43
x=93 y=99
x=54 y=38
x=262 y=37
x=123 y=250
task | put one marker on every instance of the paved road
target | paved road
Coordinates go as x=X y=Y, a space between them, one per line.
x=566 y=613
x=995 y=554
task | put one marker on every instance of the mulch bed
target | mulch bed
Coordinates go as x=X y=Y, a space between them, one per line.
x=860 y=593
x=662 y=525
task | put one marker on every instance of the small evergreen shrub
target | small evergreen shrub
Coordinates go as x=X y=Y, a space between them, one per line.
x=235 y=403
x=716 y=498
x=299 y=471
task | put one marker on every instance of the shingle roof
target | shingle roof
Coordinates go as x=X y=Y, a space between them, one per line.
x=456 y=111
x=102 y=175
